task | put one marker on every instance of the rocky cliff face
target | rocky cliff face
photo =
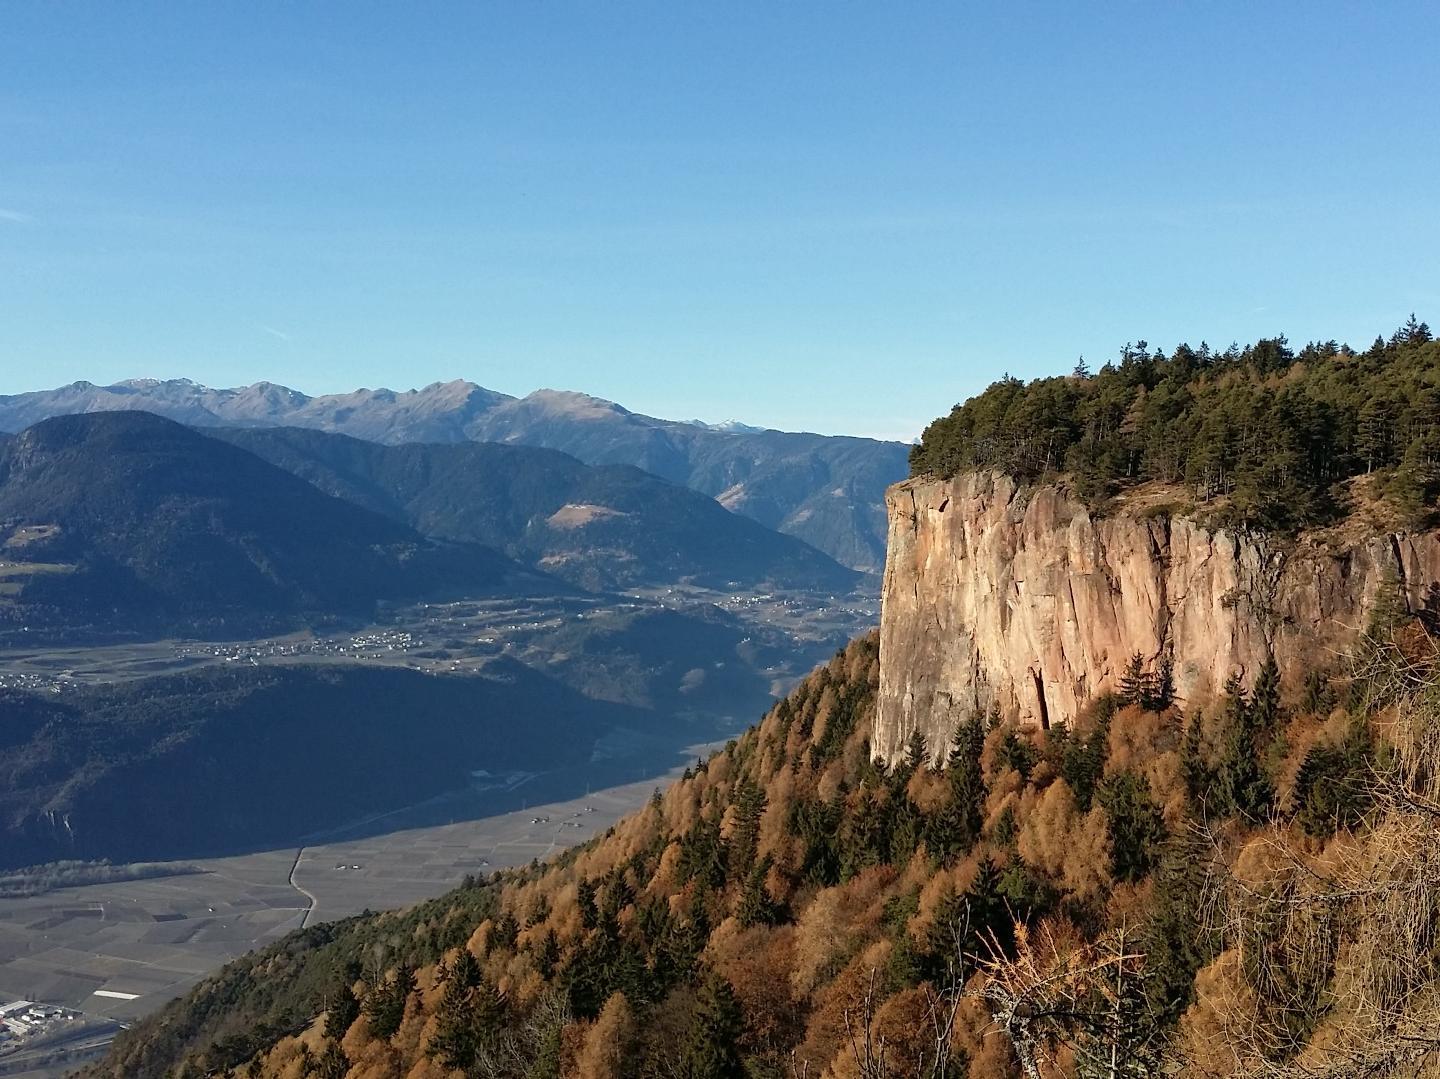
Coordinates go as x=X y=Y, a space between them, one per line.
x=998 y=594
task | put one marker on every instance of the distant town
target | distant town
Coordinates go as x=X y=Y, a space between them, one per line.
x=34 y=1034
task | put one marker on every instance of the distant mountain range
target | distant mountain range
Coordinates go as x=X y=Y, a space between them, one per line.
x=825 y=490
x=119 y=526
x=601 y=527
x=130 y=522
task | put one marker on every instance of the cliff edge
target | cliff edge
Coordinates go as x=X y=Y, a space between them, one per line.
x=1011 y=595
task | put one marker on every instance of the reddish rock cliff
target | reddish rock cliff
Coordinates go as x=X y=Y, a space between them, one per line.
x=998 y=594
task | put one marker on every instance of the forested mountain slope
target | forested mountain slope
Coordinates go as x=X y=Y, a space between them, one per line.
x=827 y=490
x=793 y=908
x=244 y=758
x=599 y=527
x=125 y=522
x=1236 y=886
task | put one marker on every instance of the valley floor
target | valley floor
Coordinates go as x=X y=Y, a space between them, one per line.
x=122 y=950
x=458 y=637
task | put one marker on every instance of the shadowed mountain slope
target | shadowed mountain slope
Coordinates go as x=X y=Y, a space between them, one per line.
x=135 y=522
x=602 y=527
x=232 y=758
x=826 y=490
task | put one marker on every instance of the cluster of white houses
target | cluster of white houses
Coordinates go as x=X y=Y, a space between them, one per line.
x=24 y=1018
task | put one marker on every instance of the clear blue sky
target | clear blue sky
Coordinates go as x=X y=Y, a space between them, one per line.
x=832 y=216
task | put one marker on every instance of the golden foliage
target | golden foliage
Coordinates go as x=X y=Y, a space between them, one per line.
x=1070 y=846
x=607 y=1042
x=757 y=962
x=1148 y=743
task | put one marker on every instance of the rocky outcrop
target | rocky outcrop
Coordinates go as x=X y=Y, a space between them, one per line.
x=1016 y=597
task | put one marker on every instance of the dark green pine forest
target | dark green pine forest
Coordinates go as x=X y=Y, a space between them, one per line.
x=1268 y=434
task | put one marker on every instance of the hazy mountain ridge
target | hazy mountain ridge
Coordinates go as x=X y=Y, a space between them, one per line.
x=436 y=413
x=600 y=527
x=827 y=490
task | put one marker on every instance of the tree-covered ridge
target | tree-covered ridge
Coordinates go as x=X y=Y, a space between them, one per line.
x=1266 y=432
x=791 y=907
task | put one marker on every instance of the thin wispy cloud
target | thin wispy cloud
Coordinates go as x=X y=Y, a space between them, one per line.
x=14 y=216
x=280 y=335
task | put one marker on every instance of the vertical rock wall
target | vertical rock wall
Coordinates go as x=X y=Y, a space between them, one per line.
x=998 y=594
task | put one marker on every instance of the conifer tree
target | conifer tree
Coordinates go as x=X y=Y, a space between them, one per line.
x=755 y=906
x=585 y=900
x=1137 y=828
x=1006 y=828
x=549 y=955
x=1199 y=777
x=464 y=971
x=749 y=802
x=990 y=917
x=333 y=1063
x=949 y=937
x=917 y=756
x=1242 y=787
x=1081 y=761
x=702 y=855
x=1158 y=691
x=1318 y=697
x=1332 y=788
x=678 y=950
x=386 y=1003
x=969 y=924
x=863 y=840
x=1017 y=753
x=710 y=1049
x=506 y=930
x=1265 y=698
x=1177 y=942
x=1413 y=484
x=1374 y=434
x=342 y=1012
x=469 y=1017
x=953 y=829
x=907 y=828
x=1132 y=681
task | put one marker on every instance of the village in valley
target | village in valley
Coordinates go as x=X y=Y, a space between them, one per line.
x=33 y=1035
